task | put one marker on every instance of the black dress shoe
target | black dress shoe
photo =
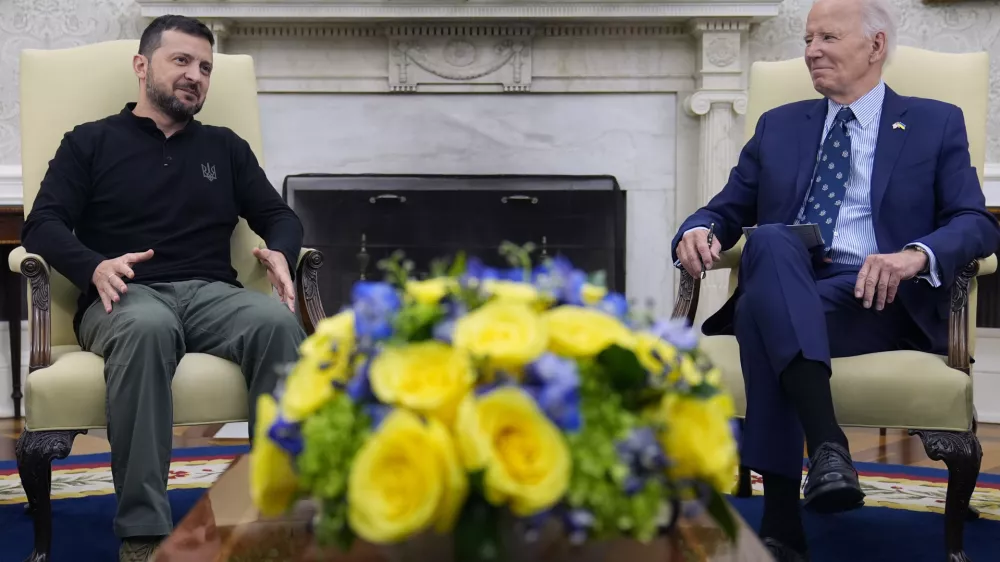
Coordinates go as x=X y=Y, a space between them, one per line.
x=782 y=552
x=832 y=482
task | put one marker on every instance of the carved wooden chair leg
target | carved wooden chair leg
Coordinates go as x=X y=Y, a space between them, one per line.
x=35 y=451
x=963 y=455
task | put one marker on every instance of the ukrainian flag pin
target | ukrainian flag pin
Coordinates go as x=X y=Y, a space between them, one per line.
x=899 y=125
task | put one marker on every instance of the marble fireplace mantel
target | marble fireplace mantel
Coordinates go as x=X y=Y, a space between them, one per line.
x=692 y=51
x=395 y=10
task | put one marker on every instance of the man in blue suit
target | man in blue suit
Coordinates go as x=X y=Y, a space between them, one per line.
x=889 y=182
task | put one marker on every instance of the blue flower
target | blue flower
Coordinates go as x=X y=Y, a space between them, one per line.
x=578 y=522
x=641 y=453
x=359 y=388
x=374 y=305
x=554 y=383
x=287 y=435
x=377 y=412
x=475 y=269
x=558 y=277
x=444 y=331
x=615 y=305
x=676 y=332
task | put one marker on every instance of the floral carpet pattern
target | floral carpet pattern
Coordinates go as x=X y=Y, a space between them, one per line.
x=891 y=486
x=90 y=475
x=915 y=489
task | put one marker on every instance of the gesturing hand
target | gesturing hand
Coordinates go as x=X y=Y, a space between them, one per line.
x=108 y=276
x=880 y=275
x=278 y=275
x=693 y=251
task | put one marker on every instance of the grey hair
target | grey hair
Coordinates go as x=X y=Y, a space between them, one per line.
x=877 y=15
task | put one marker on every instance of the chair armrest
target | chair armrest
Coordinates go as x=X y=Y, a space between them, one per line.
x=958 y=317
x=37 y=272
x=730 y=259
x=18 y=256
x=309 y=305
x=987 y=266
x=686 y=304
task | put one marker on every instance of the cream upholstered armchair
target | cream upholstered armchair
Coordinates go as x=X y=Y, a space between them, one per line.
x=926 y=394
x=65 y=390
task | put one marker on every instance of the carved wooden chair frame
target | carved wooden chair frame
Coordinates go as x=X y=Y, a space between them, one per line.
x=960 y=450
x=35 y=450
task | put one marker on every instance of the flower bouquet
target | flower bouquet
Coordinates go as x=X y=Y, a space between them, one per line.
x=480 y=406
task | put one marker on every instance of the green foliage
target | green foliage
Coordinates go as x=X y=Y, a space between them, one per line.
x=626 y=371
x=397 y=268
x=518 y=256
x=722 y=514
x=333 y=435
x=598 y=474
x=415 y=322
x=477 y=534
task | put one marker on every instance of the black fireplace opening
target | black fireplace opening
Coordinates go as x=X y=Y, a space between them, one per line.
x=357 y=220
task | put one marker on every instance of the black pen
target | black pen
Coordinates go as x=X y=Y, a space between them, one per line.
x=711 y=237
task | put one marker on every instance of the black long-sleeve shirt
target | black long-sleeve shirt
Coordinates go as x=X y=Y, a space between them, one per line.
x=122 y=186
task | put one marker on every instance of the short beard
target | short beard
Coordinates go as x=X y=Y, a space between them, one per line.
x=168 y=103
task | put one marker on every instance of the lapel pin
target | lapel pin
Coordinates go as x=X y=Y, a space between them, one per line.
x=899 y=125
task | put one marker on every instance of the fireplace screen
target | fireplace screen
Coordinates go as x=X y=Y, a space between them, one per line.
x=357 y=220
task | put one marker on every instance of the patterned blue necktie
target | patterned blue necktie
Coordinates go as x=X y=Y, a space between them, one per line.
x=833 y=169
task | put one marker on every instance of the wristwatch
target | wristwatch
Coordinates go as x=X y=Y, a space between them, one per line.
x=927 y=265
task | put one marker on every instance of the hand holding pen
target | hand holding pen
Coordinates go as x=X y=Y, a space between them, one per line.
x=711 y=238
x=698 y=249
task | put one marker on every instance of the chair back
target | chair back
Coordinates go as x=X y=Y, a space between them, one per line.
x=62 y=88
x=962 y=79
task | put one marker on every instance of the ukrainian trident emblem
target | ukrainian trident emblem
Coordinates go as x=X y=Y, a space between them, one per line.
x=208 y=171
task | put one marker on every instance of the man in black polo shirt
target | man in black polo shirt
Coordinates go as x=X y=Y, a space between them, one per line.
x=153 y=197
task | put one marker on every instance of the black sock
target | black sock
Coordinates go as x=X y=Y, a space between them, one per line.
x=807 y=384
x=781 y=512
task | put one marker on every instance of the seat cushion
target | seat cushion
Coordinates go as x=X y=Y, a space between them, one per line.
x=894 y=389
x=69 y=394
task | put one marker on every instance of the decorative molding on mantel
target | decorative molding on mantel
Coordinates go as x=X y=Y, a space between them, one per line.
x=341 y=30
x=384 y=10
x=500 y=55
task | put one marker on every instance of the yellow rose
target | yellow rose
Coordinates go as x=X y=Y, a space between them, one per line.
x=511 y=291
x=273 y=482
x=579 y=332
x=429 y=377
x=405 y=479
x=592 y=294
x=655 y=354
x=325 y=357
x=505 y=334
x=526 y=459
x=698 y=438
x=429 y=291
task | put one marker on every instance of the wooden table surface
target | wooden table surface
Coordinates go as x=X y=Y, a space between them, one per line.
x=225 y=527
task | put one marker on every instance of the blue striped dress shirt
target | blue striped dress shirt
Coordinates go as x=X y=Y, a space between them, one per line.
x=854 y=237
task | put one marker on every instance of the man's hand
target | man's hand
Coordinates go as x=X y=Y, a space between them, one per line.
x=880 y=275
x=108 y=276
x=277 y=273
x=693 y=251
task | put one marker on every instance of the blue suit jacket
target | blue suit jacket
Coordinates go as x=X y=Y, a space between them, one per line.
x=924 y=189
